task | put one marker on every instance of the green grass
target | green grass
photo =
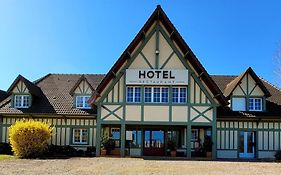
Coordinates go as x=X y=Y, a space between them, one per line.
x=5 y=157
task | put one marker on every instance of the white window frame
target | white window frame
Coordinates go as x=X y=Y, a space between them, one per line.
x=178 y=91
x=254 y=104
x=83 y=101
x=22 y=101
x=134 y=94
x=152 y=94
x=81 y=136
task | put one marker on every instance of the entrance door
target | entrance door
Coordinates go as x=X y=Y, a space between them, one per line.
x=247 y=146
x=154 y=143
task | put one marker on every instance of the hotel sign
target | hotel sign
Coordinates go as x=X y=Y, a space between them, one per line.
x=156 y=77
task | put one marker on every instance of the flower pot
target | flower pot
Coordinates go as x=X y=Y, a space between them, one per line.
x=174 y=153
x=209 y=155
x=103 y=152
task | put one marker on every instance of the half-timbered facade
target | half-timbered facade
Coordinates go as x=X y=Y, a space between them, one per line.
x=157 y=98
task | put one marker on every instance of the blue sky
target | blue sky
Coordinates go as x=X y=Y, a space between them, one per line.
x=63 y=36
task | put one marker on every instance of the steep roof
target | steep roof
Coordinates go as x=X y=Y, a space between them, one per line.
x=33 y=89
x=82 y=78
x=273 y=103
x=235 y=82
x=55 y=97
x=159 y=14
x=3 y=95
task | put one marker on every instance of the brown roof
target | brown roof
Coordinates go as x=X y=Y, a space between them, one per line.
x=159 y=14
x=273 y=103
x=235 y=82
x=3 y=95
x=55 y=97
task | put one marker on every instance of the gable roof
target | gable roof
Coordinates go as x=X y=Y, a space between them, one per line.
x=3 y=95
x=33 y=89
x=235 y=82
x=159 y=14
x=55 y=97
x=82 y=78
x=273 y=103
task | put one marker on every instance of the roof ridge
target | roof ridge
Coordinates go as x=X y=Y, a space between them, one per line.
x=224 y=75
x=271 y=84
x=76 y=74
x=41 y=79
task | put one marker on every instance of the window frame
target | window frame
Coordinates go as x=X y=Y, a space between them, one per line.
x=254 y=104
x=117 y=141
x=84 y=102
x=178 y=96
x=134 y=94
x=196 y=134
x=238 y=97
x=22 y=100
x=152 y=93
x=80 y=136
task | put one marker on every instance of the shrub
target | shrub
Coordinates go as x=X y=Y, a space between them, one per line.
x=278 y=156
x=5 y=148
x=29 y=138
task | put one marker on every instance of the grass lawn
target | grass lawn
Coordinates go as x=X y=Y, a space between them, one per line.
x=89 y=166
x=5 y=157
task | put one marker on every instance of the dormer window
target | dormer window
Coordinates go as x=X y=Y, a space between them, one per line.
x=255 y=104
x=82 y=102
x=22 y=101
x=238 y=104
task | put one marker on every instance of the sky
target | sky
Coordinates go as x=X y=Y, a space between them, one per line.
x=38 y=37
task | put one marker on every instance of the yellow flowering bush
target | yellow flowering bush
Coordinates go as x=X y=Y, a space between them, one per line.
x=29 y=138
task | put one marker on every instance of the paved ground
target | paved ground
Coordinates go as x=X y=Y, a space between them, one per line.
x=81 y=166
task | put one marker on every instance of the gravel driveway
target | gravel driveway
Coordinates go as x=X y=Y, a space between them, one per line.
x=81 y=166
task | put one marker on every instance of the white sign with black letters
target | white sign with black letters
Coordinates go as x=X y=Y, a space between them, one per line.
x=156 y=77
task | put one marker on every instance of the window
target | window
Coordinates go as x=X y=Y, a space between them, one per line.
x=115 y=135
x=82 y=102
x=194 y=134
x=156 y=94
x=80 y=136
x=133 y=94
x=179 y=94
x=238 y=104
x=22 y=101
x=255 y=104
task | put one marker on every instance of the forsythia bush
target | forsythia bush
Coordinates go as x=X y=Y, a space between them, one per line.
x=29 y=138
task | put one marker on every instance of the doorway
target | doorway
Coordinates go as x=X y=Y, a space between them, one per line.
x=154 y=143
x=247 y=144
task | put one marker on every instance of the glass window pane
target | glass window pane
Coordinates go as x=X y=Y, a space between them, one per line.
x=84 y=135
x=182 y=95
x=17 y=101
x=76 y=133
x=115 y=133
x=130 y=94
x=25 y=101
x=137 y=94
x=165 y=95
x=175 y=95
x=156 y=95
x=86 y=99
x=79 y=101
x=251 y=104
x=148 y=94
